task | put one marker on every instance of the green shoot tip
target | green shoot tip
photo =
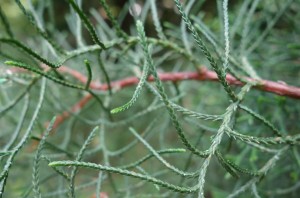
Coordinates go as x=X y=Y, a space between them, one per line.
x=52 y=164
x=115 y=110
x=9 y=62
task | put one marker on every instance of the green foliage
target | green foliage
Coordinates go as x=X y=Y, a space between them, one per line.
x=144 y=77
x=203 y=139
x=37 y=159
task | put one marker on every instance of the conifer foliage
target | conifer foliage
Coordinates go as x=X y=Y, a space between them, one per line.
x=149 y=98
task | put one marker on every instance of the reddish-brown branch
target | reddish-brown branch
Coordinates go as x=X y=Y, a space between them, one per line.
x=279 y=88
x=203 y=75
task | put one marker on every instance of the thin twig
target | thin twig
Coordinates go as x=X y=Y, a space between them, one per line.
x=279 y=88
x=204 y=74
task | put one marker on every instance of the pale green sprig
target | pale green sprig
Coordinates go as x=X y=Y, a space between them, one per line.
x=26 y=136
x=114 y=22
x=162 y=160
x=212 y=61
x=127 y=173
x=144 y=159
x=262 y=119
x=42 y=32
x=163 y=95
x=264 y=140
x=78 y=158
x=87 y=23
x=144 y=77
x=57 y=80
x=37 y=159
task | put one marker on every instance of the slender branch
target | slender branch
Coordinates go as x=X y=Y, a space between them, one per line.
x=279 y=88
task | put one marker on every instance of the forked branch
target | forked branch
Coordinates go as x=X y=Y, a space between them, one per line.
x=279 y=88
x=204 y=74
